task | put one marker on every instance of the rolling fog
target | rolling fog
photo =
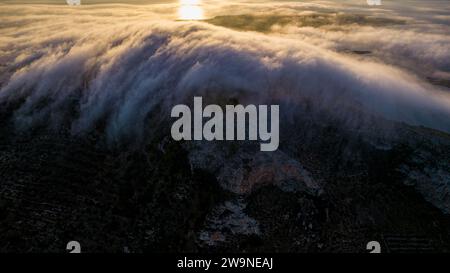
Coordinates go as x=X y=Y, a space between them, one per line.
x=119 y=64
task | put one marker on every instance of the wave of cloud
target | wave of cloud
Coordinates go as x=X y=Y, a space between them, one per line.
x=94 y=70
x=427 y=53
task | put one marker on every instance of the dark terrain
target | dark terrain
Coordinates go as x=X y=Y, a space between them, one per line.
x=149 y=198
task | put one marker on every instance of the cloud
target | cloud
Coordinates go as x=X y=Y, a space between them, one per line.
x=115 y=68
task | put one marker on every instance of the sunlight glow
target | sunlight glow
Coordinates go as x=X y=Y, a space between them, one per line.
x=189 y=2
x=190 y=10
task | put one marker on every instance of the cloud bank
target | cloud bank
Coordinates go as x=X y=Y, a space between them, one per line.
x=117 y=67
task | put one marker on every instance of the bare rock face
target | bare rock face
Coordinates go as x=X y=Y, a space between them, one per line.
x=242 y=171
x=433 y=184
x=226 y=220
x=427 y=168
x=246 y=169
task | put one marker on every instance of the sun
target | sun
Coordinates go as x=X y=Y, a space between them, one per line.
x=190 y=10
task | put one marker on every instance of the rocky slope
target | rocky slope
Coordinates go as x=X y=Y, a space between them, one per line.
x=326 y=190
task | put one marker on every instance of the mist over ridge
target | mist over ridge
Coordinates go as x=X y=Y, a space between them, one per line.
x=92 y=68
